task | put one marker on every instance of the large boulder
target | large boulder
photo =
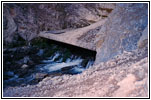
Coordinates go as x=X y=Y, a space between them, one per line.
x=122 y=31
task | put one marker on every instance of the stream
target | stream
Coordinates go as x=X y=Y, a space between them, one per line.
x=72 y=65
x=30 y=66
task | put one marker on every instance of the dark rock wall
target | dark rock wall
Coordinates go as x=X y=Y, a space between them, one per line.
x=27 y=20
x=122 y=30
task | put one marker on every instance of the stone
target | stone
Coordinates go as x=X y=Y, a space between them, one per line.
x=9 y=26
x=24 y=66
x=122 y=30
x=143 y=39
x=27 y=20
x=41 y=52
x=139 y=74
x=9 y=73
x=67 y=68
x=26 y=60
x=40 y=75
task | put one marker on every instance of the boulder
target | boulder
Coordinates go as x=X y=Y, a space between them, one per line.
x=9 y=73
x=67 y=68
x=40 y=52
x=24 y=66
x=122 y=30
x=143 y=39
x=40 y=75
x=26 y=59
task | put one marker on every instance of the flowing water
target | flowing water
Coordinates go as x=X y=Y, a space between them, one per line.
x=72 y=65
x=63 y=60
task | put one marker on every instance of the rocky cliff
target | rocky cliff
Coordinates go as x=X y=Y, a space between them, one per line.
x=27 y=20
x=122 y=31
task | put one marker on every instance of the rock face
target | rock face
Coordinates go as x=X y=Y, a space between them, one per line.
x=82 y=37
x=144 y=39
x=27 y=20
x=119 y=32
x=9 y=26
x=122 y=30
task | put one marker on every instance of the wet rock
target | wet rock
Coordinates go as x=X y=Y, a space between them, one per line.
x=8 y=63
x=40 y=75
x=65 y=69
x=24 y=66
x=85 y=62
x=22 y=72
x=41 y=52
x=12 y=49
x=25 y=60
x=9 y=73
x=12 y=56
x=55 y=74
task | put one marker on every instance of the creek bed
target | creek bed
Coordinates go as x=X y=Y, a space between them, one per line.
x=44 y=58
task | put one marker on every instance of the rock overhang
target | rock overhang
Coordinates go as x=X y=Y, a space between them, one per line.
x=81 y=37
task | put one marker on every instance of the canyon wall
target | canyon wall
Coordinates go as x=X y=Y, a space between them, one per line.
x=122 y=30
x=27 y=20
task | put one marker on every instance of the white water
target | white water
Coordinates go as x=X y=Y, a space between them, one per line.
x=58 y=66
x=73 y=63
x=52 y=58
x=78 y=69
x=89 y=64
